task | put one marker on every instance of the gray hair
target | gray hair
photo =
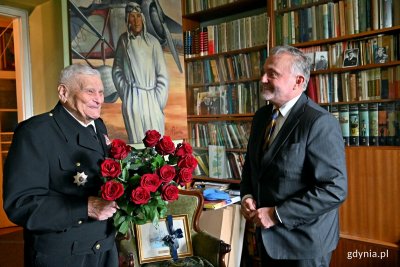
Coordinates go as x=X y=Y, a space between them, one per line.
x=68 y=74
x=301 y=63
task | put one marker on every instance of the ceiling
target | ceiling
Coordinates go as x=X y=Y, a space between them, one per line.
x=23 y=4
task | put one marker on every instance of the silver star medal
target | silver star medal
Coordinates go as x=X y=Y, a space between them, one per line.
x=80 y=178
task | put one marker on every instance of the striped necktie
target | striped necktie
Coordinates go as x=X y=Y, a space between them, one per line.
x=270 y=128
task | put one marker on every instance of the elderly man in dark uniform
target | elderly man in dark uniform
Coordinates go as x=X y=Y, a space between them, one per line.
x=51 y=178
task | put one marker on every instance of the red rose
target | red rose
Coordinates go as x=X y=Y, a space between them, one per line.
x=112 y=190
x=185 y=176
x=165 y=146
x=151 y=181
x=151 y=139
x=119 y=149
x=183 y=149
x=169 y=192
x=140 y=195
x=167 y=173
x=187 y=161
x=110 y=168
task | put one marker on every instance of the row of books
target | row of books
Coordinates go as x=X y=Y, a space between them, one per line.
x=227 y=36
x=371 y=84
x=369 y=124
x=375 y=50
x=219 y=163
x=239 y=98
x=227 y=134
x=283 y=4
x=226 y=68
x=193 y=6
x=335 y=19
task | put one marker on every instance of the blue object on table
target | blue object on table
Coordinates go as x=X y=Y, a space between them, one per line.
x=215 y=194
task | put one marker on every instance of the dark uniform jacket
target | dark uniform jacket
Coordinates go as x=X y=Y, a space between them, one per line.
x=47 y=151
x=303 y=174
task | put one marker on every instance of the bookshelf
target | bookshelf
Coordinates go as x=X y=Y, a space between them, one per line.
x=367 y=89
x=223 y=62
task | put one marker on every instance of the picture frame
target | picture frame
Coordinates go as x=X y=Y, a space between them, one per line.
x=321 y=60
x=350 y=57
x=380 y=55
x=150 y=246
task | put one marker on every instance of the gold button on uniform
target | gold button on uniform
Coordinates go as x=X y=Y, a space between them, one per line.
x=97 y=246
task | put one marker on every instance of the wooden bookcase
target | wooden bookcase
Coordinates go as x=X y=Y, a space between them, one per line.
x=369 y=222
x=222 y=81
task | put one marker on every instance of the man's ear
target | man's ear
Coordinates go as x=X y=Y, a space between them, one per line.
x=300 y=80
x=62 y=93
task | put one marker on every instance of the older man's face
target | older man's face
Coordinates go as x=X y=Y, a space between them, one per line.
x=135 y=22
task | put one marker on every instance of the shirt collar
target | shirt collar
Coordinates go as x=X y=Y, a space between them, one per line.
x=285 y=108
x=81 y=123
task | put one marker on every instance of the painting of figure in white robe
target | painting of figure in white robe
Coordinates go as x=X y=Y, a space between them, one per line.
x=140 y=77
x=138 y=49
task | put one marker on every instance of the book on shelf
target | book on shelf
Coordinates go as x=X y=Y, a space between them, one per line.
x=397 y=124
x=203 y=41
x=202 y=185
x=217 y=164
x=344 y=123
x=211 y=39
x=382 y=124
x=334 y=110
x=354 y=125
x=364 y=124
x=202 y=166
x=391 y=123
x=373 y=124
x=235 y=162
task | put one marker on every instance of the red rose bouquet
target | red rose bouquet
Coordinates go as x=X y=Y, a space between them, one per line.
x=142 y=182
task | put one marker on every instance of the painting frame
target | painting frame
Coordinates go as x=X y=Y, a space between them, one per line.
x=150 y=248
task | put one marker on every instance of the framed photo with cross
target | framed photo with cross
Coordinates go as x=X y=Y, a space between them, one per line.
x=151 y=242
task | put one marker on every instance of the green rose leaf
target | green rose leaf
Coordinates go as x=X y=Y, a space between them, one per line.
x=124 y=227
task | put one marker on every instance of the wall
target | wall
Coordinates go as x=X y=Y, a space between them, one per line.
x=46 y=34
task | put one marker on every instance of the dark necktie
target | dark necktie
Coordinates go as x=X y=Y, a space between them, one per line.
x=92 y=132
x=270 y=128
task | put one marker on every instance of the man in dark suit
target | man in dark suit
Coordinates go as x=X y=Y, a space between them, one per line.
x=51 y=178
x=292 y=190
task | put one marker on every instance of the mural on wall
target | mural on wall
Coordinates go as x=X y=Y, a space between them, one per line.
x=137 y=47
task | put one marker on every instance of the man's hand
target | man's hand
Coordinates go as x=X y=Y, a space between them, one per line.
x=265 y=217
x=100 y=209
x=248 y=208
